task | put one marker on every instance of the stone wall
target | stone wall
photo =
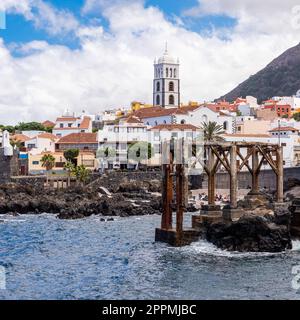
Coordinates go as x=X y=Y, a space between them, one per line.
x=8 y=166
x=36 y=182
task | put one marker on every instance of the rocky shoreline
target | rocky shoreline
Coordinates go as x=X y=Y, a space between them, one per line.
x=123 y=198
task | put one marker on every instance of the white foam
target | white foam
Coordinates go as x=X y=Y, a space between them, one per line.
x=207 y=248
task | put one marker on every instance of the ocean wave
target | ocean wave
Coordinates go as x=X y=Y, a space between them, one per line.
x=206 y=248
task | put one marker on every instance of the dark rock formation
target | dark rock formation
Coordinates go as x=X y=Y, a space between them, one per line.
x=251 y=233
x=124 y=198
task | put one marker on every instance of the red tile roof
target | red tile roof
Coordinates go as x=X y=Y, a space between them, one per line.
x=66 y=119
x=20 y=137
x=154 y=112
x=133 y=119
x=177 y=127
x=241 y=135
x=284 y=129
x=78 y=138
x=47 y=135
x=85 y=123
x=48 y=124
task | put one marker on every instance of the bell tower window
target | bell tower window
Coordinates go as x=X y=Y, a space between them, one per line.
x=171 y=86
x=171 y=100
x=157 y=86
x=158 y=100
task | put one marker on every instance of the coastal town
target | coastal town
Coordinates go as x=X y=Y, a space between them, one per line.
x=103 y=140
x=149 y=151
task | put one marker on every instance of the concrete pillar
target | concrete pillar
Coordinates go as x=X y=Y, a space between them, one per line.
x=233 y=177
x=279 y=161
x=255 y=173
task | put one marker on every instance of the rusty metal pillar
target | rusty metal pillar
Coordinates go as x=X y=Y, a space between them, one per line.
x=233 y=176
x=211 y=179
x=255 y=173
x=179 y=197
x=279 y=164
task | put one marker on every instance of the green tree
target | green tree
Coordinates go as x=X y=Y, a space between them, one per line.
x=28 y=126
x=81 y=173
x=71 y=155
x=140 y=151
x=212 y=132
x=296 y=116
x=48 y=161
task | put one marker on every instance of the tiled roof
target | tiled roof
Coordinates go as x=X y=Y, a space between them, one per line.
x=48 y=124
x=154 y=112
x=177 y=127
x=47 y=135
x=133 y=119
x=66 y=119
x=20 y=137
x=85 y=123
x=284 y=129
x=78 y=138
x=241 y=135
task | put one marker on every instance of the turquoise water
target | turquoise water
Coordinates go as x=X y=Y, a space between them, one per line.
x=48 y=258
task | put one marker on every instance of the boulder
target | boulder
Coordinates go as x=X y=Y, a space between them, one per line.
x=250 y=234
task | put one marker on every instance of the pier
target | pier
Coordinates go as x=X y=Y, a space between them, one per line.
x=233 y=157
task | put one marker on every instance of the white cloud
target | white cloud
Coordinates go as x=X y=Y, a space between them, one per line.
x=254 y=16
x=115 y=67
x=43 y=15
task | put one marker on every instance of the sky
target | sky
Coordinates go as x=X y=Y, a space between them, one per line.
x=95 y=55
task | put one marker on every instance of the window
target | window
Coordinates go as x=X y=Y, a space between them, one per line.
x=156 y=123
x=157 y=86
x=157 y=148
x=61 y=125
x=225 y=125
x=182 y=121
x=167 y=72
x=35 y=163
x=156 y=136
x=70 y=125
x=30 y=146
x=174 y=73
x=171 y=73
x=171 y=86
x=165 y=122
x=171 y=99
x=174 y=135
x=157 y=100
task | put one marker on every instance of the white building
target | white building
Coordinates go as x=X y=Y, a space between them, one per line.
x=166 y=84
x=293 y=101
x=44 y=142
x=68 y=124
x=116 y=140
x=289 y=143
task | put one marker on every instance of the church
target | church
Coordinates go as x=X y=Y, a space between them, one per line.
x=166 y=83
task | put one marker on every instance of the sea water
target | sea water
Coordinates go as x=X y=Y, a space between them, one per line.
x=47 y=258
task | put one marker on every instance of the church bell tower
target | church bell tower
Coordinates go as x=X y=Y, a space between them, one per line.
x=166 y=84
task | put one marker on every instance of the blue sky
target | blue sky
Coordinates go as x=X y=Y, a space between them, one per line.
x=20 y=30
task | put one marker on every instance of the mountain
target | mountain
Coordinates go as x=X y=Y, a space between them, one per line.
x=279 y=78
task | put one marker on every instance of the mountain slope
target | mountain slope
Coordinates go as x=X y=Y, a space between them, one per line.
x=279 y=78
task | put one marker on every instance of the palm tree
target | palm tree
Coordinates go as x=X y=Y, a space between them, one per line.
x=48 y=161
x=81 y=173
x=212 y=132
